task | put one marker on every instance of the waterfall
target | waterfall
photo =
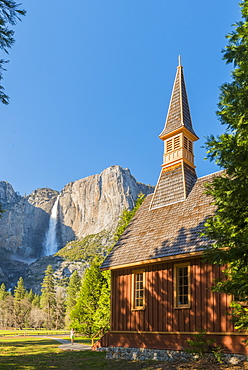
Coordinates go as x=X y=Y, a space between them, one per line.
x=50 y=244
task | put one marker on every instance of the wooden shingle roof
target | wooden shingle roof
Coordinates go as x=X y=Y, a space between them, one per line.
x=178 y=112
x=173 y=186
x=166 y=231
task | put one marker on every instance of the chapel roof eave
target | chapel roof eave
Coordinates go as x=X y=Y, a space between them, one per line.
x=190 y=134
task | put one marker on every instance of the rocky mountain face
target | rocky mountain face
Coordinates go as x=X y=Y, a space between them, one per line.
x=83 y=207
x=23 y=225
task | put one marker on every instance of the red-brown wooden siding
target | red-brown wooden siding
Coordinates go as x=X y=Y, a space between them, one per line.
x=208 y=310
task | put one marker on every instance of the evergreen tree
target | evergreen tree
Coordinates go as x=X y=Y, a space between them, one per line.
x=82 y=315
x=21 y=304
x=228 y=228
x=102 y=315
x=30 y=295
x=72 y=292
x=36 y=300
x=127 y=216
x=9 y=14
x=48 y=297
x=19 y=290
x=3 y=306
x=3 y=293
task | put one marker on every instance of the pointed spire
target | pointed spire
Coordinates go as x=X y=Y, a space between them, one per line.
x=178 y=174
x=178 y=112
x=179 y=61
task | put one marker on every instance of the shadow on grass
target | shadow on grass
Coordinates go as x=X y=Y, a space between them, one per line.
x=44 y=354
x=24 y=342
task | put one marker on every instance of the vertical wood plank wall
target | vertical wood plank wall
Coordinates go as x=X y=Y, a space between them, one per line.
x=207 y=311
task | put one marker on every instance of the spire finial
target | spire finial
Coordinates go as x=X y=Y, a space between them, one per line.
x=179 y=61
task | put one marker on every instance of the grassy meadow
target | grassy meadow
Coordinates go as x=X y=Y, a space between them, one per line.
x=37 y=353
x=27 y=332
x=43 y=353
x=40 y=353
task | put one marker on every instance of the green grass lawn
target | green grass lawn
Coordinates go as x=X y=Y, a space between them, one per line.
x=41 y=354
x=25 y=332
x=43 y=332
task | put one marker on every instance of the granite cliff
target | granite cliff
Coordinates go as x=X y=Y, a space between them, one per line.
x=84 y=207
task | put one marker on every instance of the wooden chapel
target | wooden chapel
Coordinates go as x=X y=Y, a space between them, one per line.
x=161 y=289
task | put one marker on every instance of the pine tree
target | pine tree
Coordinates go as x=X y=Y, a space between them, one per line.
x=3 y=293
x=9 y=14
x=3 y=306
x=228 y=228
x=22 y=306
x=48 y=297
x=19 y=290
x=102 y=315
x=82 y=315
x=30 y=295
x=72 y=292
x=127 y=216
x=36 y=300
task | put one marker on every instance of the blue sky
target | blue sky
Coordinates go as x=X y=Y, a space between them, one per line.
x=90 y=83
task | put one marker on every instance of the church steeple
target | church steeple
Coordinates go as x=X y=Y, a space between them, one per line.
x=178 y=170
x=178 y=113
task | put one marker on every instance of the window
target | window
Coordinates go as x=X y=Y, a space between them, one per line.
x=169 y=145
x=185 y=142
x=173 y=144
x=182 y=285
x=190 y=147
x=177 y=142
x=138 y=290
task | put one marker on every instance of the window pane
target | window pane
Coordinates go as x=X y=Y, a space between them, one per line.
x=138 y=290
x=182 y=285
